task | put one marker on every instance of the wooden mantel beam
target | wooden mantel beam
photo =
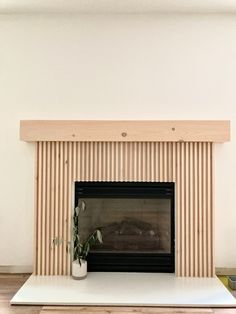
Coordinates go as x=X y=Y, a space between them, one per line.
x=125 y=131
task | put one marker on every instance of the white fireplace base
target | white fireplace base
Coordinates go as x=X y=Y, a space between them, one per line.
x=125 y=289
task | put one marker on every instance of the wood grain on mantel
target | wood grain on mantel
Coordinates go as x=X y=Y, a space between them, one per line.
x=125 y=131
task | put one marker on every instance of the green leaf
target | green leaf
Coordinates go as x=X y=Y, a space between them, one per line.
x=81 y=248
x=82 y=205
x=87 y=249
x=57 y=241
x=99 y=236
x=76 y=211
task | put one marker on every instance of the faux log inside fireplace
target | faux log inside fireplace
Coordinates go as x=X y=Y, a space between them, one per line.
x=137 y=223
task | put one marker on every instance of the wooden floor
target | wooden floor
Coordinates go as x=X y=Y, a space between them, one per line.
x=9 y=284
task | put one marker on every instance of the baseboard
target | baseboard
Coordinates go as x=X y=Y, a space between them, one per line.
x=16 y=269
x=225 y=271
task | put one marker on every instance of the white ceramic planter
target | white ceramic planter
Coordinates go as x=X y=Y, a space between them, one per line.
x=79 y=271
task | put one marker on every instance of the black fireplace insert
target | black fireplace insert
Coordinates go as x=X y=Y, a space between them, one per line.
x=137 y=224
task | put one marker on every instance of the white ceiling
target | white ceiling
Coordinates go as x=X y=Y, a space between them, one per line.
x=117 y=6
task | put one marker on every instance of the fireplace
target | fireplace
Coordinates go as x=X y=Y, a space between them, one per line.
x=137 y=223
x=143 y=152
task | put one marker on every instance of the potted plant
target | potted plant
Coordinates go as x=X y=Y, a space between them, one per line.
x=81 y=247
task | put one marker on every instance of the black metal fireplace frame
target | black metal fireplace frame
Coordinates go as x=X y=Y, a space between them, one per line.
x=131 y=262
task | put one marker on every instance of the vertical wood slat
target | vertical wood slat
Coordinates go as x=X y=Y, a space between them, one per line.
x=56 y=195
x=191 y=209
x=177 y=208
x=37 y=209
x=203 y=193
x=65 y=205
x=69 y=202
x=210 y=206
x=182 y=208
x=48 y=208
x=189 y=165
x=195 y=218
x=60 y=208
x=200 y=183
x=187 y=222
x=52 y=205
x=43 y=208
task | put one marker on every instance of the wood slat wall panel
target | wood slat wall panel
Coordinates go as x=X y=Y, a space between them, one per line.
x=189 y=165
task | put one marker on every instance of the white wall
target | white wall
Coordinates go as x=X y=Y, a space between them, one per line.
x=112 y=67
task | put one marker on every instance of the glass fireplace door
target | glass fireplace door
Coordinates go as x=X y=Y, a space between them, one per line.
x=136 y=221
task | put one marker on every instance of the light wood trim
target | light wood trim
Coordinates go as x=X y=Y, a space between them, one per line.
x=110 y=131
x=129 y=310
x=225 y=271
x=189 y=165
x=15 y=269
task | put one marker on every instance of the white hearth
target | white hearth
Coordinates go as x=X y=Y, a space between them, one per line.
x=125 y=289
